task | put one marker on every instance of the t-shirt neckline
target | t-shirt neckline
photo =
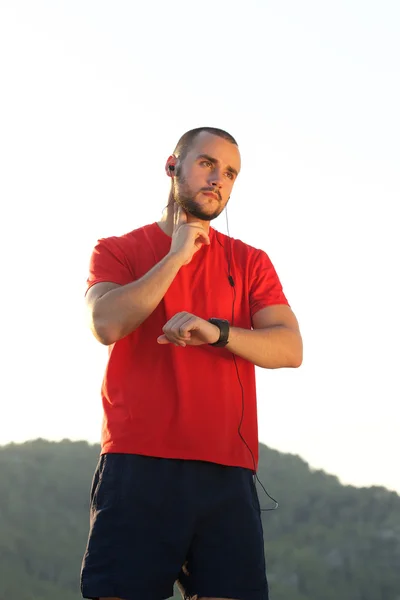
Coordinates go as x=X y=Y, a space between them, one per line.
x=168 y=237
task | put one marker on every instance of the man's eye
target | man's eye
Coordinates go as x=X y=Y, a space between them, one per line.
x=229 y=174
x=206 y=163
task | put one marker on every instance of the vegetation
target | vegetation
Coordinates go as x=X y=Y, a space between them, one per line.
x=326 y=541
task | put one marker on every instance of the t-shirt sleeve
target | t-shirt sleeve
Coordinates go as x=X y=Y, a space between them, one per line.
x=265 y=286
x=109 y=263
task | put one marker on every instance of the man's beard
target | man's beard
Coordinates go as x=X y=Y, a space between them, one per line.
x=184 y=196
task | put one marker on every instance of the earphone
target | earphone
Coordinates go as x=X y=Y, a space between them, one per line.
x=232 y=284
x=171 y=167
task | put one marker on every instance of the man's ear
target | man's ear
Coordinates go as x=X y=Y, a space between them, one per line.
x=170 y=166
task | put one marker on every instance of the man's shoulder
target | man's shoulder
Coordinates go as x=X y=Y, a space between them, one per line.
x=238 y=246
x=131 y=238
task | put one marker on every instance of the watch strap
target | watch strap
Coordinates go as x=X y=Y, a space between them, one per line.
x=224 y=327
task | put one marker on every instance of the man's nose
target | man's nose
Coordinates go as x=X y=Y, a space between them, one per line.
x=216 y=178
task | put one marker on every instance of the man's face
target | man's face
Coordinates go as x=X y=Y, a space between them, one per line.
x=205 y=178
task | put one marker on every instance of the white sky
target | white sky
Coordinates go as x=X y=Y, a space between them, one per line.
x=94 y=96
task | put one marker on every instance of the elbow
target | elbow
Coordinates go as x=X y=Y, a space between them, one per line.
x=107 y=332
x=297 y=355
x=290 y=357
x=103 y=334
x=297 y=361
x=290 y=362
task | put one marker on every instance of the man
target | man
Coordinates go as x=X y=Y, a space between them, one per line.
x=174 y=484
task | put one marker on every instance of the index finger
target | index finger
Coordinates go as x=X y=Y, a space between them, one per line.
x=180 y=216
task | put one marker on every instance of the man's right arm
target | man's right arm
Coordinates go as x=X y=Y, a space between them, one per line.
x=115 y=310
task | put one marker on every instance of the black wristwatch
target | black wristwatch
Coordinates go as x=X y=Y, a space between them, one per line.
x=223 y=326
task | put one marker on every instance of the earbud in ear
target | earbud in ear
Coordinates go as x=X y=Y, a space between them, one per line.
x=171 y=168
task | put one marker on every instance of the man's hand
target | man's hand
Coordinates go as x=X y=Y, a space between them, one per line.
x=185 y=329
x=187 y=238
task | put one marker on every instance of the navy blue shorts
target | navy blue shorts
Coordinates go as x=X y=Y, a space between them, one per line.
x=150 y=516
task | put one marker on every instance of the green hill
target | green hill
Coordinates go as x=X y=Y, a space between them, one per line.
x=326 y=541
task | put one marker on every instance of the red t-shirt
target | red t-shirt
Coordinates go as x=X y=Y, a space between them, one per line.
x=173 y=402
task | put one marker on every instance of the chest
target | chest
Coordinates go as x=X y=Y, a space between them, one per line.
x=202 y=287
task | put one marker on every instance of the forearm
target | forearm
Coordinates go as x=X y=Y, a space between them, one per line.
x=121 y=310
x=270 y=348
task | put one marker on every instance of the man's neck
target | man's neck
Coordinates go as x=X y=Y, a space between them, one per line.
x=167 y=220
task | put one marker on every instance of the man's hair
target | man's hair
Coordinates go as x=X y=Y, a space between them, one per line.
x=186 y=141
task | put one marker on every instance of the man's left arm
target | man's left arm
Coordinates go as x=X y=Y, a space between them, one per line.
x=274 y=342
